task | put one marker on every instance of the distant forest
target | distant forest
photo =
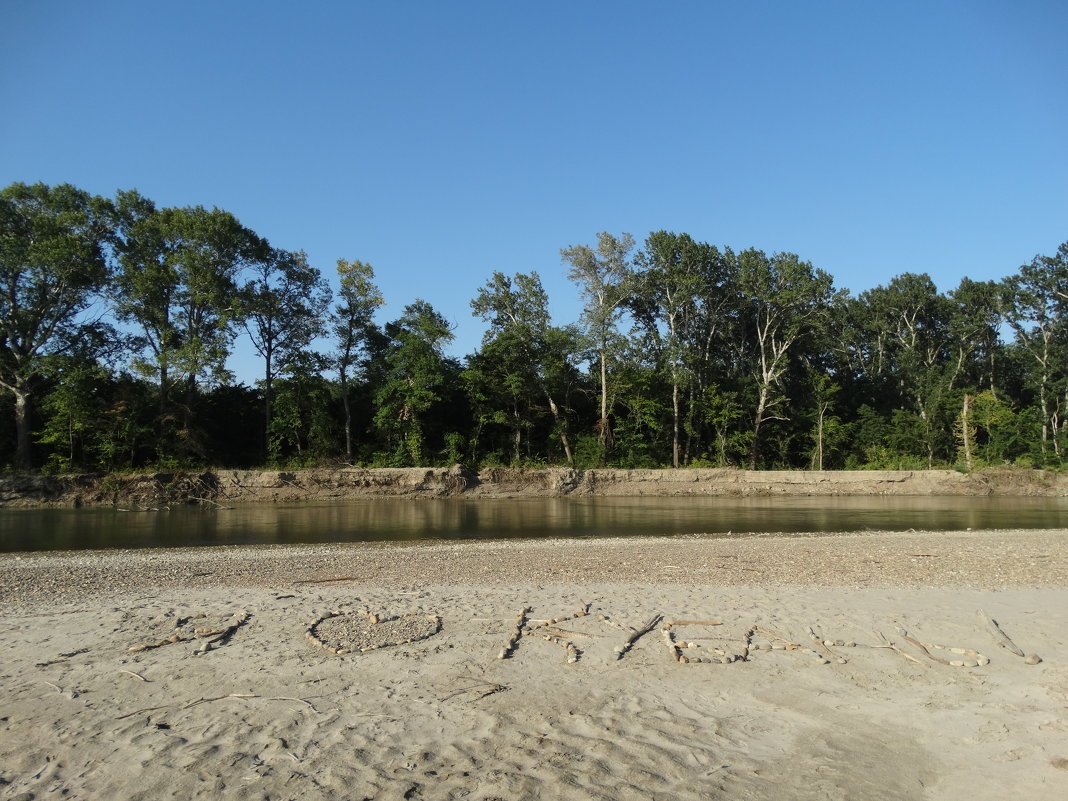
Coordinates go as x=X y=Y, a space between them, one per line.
x=117 y=318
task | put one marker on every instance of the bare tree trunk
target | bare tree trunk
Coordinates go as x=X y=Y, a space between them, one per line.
x=966 y=433
x=348 y=422
x=819 y=436
x=267 y=389
x=758 y=418
x=563 y=433
x=517 y=435
x=605 y=432
x=23 y=442
x=675 y=423
x=604 y=397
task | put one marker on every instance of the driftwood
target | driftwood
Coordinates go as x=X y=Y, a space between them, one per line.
x=670 y=623
x=220 y=636
x=219 y=698
x=635 y=635
x=484 y=689
x=1004 y=641
x=974 y=657
x=143 y=709
x=892 y=647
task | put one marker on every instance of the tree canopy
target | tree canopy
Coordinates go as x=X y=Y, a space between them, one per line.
x=117 y=318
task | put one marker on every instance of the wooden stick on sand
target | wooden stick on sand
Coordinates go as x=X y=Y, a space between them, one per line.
x=1004 y=641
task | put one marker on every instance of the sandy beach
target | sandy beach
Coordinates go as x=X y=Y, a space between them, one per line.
x=773 y=667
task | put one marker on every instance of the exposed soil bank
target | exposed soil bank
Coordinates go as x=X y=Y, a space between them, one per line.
x=324 y=484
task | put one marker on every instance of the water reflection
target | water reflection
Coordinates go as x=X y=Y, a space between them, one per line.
x=392 y=519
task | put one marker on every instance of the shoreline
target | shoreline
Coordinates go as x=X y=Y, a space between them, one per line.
x=218 y=487
x=109 y=691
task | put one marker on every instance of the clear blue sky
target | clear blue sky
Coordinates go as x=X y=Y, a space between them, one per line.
x=442 y=141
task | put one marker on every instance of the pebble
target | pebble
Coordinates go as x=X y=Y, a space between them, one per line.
x=46 y=581
x=1032 y=659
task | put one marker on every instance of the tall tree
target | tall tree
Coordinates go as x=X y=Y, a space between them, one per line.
x=603 y=275
x=974 y=341
x=282 y=307
x=521 y=355
x=358 y=299
x=1036 y=302
x=52 y=265
x=786 y=299
x=177 y=285
x=679 y=297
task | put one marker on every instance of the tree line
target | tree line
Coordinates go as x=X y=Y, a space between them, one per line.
x=117 y=318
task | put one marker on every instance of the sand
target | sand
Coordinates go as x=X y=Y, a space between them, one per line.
x=245 y=704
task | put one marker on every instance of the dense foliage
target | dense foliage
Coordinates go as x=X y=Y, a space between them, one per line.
x=117 y=319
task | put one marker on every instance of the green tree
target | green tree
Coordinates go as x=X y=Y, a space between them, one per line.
x=974 y=341
x=785 y=300
x=52 y=267
x=521 y=361
x=177 y=286
x=604 y=278
x=358 y=299
x=282 y=307
x=908 y=320
x=304 y=428
x=681 y=295
x=416 y=378
x=1035 y=302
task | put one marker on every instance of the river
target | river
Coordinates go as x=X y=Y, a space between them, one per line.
x=399 y=519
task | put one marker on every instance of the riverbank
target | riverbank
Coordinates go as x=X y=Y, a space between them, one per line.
x=108 y=689
x=153 y=490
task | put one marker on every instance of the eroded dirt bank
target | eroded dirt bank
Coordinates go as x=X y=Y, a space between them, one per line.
x=323 y=484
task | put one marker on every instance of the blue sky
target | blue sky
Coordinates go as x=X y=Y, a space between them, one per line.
x=443 y=141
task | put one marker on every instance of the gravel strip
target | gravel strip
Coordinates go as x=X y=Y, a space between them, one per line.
x=989 y=559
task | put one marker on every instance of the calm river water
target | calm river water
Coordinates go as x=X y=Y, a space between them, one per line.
x=394 y=519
